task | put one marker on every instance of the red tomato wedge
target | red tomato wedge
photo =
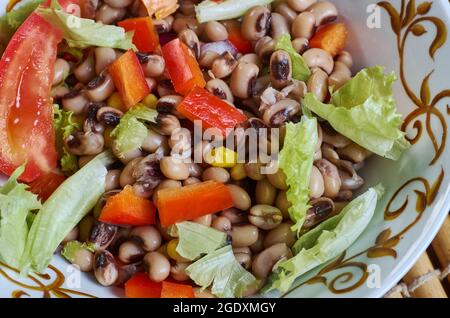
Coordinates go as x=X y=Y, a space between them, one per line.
x=26 y=113
x=46 y=184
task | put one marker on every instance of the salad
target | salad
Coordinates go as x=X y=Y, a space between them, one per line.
x=187 y=148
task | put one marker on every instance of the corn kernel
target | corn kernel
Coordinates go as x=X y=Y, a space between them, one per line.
x=172 y=251
x=150 y=101
x=222 y=157
x=115 y=101
x=238 y=172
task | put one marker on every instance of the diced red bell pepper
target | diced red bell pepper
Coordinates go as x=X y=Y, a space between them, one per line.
x=200 y=104
x=145 y=36
x=141 y=286
x=129 y=79
x=46 y=184
x=243 y=45
x=175 y=290
x=126 y=208
x=26 y=113
x=192 y=201
x=182 y=67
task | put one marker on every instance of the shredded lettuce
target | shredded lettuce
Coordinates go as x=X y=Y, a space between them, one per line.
x=364 y=111
x=210 y=10
x=11 y=21
x=72 y=247
x=62 y=211
x=16 y=203
x=196 y=239
x=296 y=161
x=83 y=33
x=300 y=70
x=220 y=268
x=131 y=131
x=64 y=126
x=327 y=241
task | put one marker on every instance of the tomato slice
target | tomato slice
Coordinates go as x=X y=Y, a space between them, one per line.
x=46 y=184
x=26 y=114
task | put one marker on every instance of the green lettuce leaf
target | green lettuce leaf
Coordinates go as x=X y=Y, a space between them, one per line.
x=131 y=131
x=72 y=247
x=196 y=239
x=83 y=33
x=11 y=21
x=364 y=111
x=300 y=70
x=327 y=241
x=210 y=10
x=15 y=206
x=220 y=268
x=64 y=126
x=62 y=211
x=296 y=161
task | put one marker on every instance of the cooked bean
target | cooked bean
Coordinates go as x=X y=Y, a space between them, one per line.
x=88 y=8
x=100 y=88
x=350 y=180
x=109 y=116
x=331 y=179
x=319 y=58
x=344 y=195
x=286 y=11
x=304 y=25
x=241 y=199
x=301 y=45
x=88 y=143
x=215 y=31
x=207 y=58
x=148 y=236
x=148 y=175
x=102 y=235
x=187 y=7
x=316 y=183
x=279 y=25
x=216 y=173
x=258 y=245
x=253 y=171
x=130 y=252
x=112 y=181
x=280 y=69
x=265 y=261
x=83 y=259
x=340 y=75
x=126 y=177
x=85 y=72
x=256 y=23
x=324 y=12
x=264 y=47
x=354 y=152
x=157 y=266
x=281 y=112
x=283 y=204
x=220 y=89
x=234 y=215
x=251 y=58
x=238 y=172
x=62 y=69
x=153 y=65
x=186 y=22
x=75 y=101
x=165 y=184
x=91 y=124
x=174 y=168
x=153 y=141
x=320 y=210
x=243 y=256
x=108 y=15
x=178 y=271
x=318 y=84
x=104 y=56
x=71 y=236
x=224 y=65
x=222 y=224
x=151 y=83
x=346 y=58
x=166 y=123
x=105 y=268
x=265 y=192
x=126 y=157
x=164 y=25
x=190 y=38
x=180 y=142
x=59 y=92
x=205 y=220
x=265 y=217
x=300 y=5
x=278 y=179
x=333 y=138
x=244 y=235
x=118 y=3
x=280 y=234
x=191 y=180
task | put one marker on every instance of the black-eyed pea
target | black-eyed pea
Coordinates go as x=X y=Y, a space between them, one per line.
x=354 y=152
x=241 y=199
x=280 y=69
x=256 y=23
x=108 y=15
x=304 y=25
x=316 y=184
x=324 y=12
x=217 y=174
x=281 y=234
x=105 y=268
x=190 y=38
x=340 y=76
x=215 y=31
x=157 y=266
x=300 y=5
x=278 y=25
x=316 y=57
x=300 y=45
x=265 y=217
x=130 y=252
x=283 y=204
x=265 y=192
x=277 y=179
x=244 y=235
x=220 y=89
x=331 y=179
x=346 y=58
x=243 y=80
x=221 y=224
x=320 y=210
x=264 y=263
x=318 y=84
x=243 y=256
x=235 y=215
